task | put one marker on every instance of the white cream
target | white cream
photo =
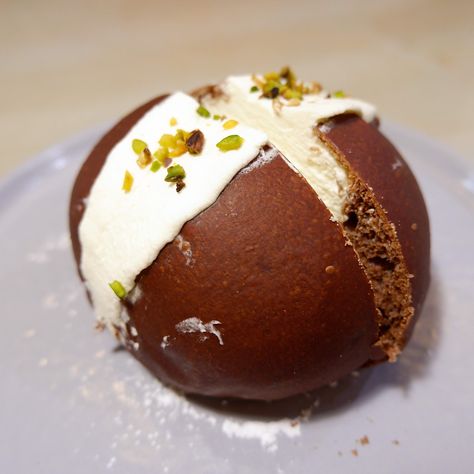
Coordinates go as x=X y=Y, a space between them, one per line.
x=122 y=233
x=290 y=129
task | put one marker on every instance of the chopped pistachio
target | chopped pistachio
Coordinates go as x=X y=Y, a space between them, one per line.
x=180 y=184
x=155 y=166
x=285 y=84
x=230 y=124
x=173 y=121
x=118 y=289
x=271 y=89
x=176 y=145
x=203 y=112
x=161 y=154
x=181 y=134
x=289 y=75
x=144 y=158
x=232 y=142
x=338 y=94
x=292 y=94
x=175 y=172
x=272 y=76
x=167 y=140
x=195 y=142
x=127 y=182
x=178 y=150
x=216 y=117
x=138 y=145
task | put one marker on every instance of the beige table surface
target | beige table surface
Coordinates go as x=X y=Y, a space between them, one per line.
x=67 y=66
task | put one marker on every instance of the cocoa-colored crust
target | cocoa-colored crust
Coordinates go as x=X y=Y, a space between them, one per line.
x=260 y=254
x=381 y=166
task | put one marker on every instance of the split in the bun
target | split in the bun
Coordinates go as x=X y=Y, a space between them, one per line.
x=351 y=201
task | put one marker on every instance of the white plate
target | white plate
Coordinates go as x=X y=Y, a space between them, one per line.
x=70 y=404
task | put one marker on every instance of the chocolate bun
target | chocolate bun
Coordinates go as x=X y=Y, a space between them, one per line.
x=282 y=298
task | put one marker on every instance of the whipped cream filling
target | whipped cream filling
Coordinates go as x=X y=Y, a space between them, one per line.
x=291 y=130
x=122 y=233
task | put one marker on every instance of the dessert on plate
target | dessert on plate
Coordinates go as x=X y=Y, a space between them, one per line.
x=256 y=238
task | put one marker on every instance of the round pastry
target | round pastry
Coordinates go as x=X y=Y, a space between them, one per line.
x=256 y=239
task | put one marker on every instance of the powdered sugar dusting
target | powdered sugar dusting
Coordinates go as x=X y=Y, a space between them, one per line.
x=396 y=164
x=50 y=301
x=263 y=158
x=194 y=324
x=135 y=294
x=43 y=253
x=327 y=126
x=265 y=432
x=162 y=407
x=144 y=415
x=165 y=342
x=185 y=248
x=111 y=462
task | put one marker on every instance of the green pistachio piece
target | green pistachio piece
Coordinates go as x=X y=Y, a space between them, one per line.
x=175 y=173
x=155 y=166
x=161 y=154
x=118 y=289
x=138 y=146
x=203 y=112
x=168 y=141
x=232 y=142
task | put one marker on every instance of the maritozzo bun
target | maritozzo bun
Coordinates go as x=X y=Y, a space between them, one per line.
x=255 y=239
